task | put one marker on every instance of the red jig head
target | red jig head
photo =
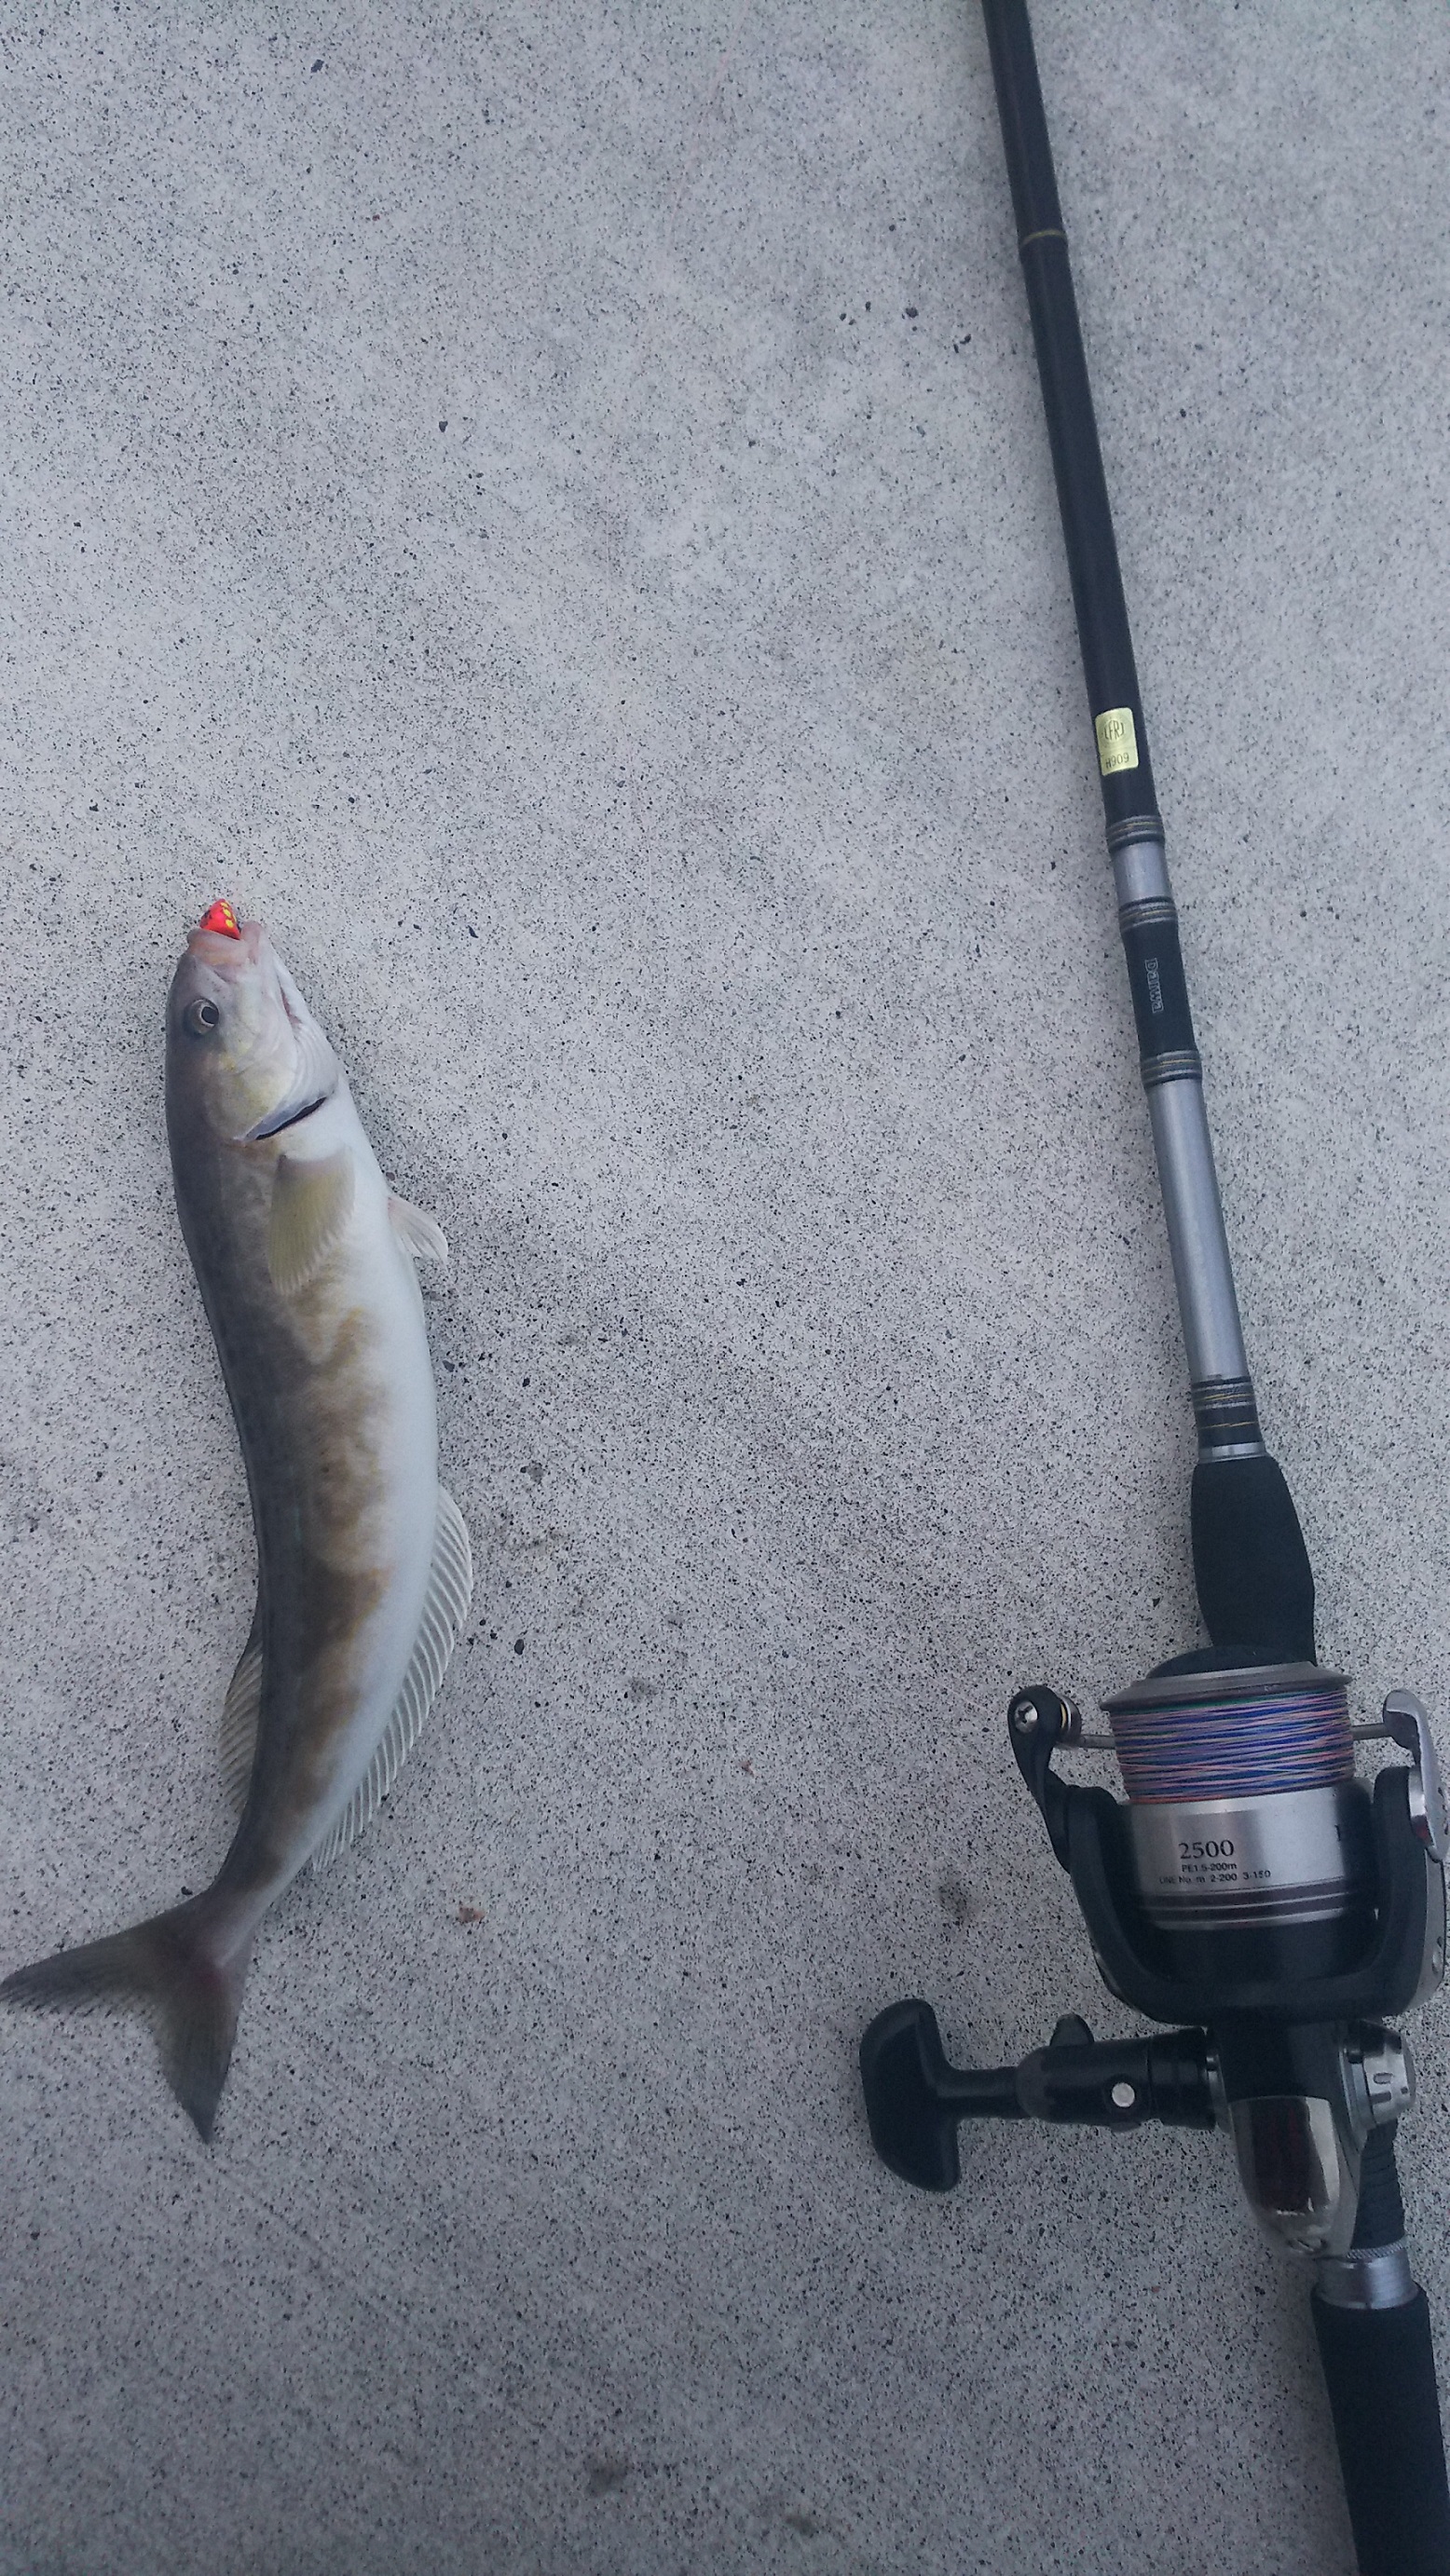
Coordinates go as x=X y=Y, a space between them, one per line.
x=220 y=916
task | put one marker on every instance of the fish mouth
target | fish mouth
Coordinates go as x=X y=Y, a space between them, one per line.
x=226 y=949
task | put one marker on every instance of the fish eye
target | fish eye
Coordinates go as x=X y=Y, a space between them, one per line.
x=201 y=1018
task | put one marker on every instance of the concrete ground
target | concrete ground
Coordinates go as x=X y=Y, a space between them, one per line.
x=550 y=507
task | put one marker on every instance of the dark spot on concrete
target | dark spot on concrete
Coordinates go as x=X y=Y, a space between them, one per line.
x=518 y=1645
x=805 y=2523
x=603 y=2473
x=317 y=66
x=443 y=424
x=957 y=1901
x=534 y=1472
x=911 y=312
x=639 y=1688
x=745 y=1766
x=470 y=1914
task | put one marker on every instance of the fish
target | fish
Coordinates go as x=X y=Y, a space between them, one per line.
x=306 y=1263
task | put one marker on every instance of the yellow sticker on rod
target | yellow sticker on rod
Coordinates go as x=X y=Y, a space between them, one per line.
x=1117 y=740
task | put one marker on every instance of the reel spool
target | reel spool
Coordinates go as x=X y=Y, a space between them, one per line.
x=1247 y=1825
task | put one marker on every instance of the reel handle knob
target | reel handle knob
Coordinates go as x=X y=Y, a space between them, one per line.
x=914 y=2097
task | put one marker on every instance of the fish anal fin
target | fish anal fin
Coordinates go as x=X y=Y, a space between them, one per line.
x=417 y=1232
x=445 y=1608
x=311 y=1204
x=240 y=1711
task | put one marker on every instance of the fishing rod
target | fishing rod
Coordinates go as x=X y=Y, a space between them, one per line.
x=1250 y=1893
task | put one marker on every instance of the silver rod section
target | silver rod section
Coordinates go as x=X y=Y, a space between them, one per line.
x=1212 y=1333
x=1202 y=1271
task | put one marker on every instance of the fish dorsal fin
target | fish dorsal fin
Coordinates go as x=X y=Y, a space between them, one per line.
x=240 y=1711
x=418 y=1234
x=311 y=1204
x=450 y=1589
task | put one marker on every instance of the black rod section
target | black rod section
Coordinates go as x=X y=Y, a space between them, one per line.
x=1120 y=735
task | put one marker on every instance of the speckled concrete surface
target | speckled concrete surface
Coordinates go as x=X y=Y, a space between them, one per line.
x=550 y=507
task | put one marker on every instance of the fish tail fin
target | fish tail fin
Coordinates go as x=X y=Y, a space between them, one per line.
x=183 y=1971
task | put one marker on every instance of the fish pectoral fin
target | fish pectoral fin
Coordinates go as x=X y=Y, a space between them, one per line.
x=311 y=1204
x=419 y=1234
x=450 y=1589
x=240 y=1711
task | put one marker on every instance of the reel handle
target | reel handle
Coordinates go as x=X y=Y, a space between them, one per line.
x=915 y=2099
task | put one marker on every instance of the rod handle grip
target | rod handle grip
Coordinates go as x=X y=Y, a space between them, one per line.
x=1379 y=2368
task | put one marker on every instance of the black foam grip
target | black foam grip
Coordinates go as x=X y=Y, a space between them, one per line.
x=1250 y=1564
x=1379 y=2367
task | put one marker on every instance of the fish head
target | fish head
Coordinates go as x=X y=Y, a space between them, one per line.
x=241 y=1044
